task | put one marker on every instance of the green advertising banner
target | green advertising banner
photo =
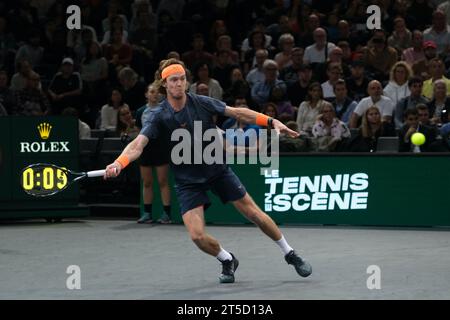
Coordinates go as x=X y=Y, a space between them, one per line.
x=373 y=189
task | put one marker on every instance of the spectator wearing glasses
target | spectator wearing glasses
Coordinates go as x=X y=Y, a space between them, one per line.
x=261 y=91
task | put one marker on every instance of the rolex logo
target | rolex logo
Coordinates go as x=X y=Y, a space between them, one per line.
x=44 y=130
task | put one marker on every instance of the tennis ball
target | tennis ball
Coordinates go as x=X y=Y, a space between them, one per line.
x=418 y=139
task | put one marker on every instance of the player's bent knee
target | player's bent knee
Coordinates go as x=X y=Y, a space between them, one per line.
x=198 y=237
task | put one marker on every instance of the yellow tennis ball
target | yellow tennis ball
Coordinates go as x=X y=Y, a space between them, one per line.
x=418 y=139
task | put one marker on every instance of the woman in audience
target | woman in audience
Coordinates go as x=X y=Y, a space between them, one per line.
x=329 y=131
x=108 y=113
x=202 y=75
x=397 y=88
x=126 y=125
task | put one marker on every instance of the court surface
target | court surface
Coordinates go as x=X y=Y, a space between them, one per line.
x=120 y=259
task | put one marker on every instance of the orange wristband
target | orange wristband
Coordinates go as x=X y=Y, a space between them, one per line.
x=262 y=120
x=123 y=160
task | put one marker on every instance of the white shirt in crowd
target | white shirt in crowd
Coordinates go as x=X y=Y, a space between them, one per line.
x=312 y=55
x=396 y=92
x=328 y=91
x=385 y=105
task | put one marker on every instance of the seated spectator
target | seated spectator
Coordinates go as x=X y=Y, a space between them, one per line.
x=421 y=67
x=201 y=75
x=257 y=41
x=439 y=32
x=270 y=109
x=415 y=87
x=298 y=90
x=224 y=43
x=65 y=89
x=328 y=131
x=285 y=45
x=416 y=51
x=239 y=87
x=424 y=115
x=358 y=82
x=440 y=102
x=257 y=73
x=117 y=52
x=261 y=90
x=371 y=129
x=284 y=107
x=19 y=79
x=202 y=89
x=142 y=7
x=6 y=94
x=117 y=23
x=342 y=104
x=378 y=57
x=437 y=70
x=412 y=126
x=222 y=69
x=401 y=37
x=108 y=113
x=318 y=52
x=31 y=50
x=290 y=73
x=198 y=53
x=143 y=38
x=311 y=108
x=126 y=125
x=81 y=50
x=397 y=88
x=133 y=89
x=375 y=98
x=334 y=73
x=31 y=100
x=84 y=131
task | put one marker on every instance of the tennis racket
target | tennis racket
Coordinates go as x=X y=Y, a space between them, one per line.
x=43 y=179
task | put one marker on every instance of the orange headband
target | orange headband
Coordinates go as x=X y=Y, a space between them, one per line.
x=172 y=69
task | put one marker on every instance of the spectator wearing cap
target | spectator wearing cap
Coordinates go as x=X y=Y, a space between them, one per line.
x=298 y=90
x=401 y=37
x=379 y=57
x=319 y=51
x=439 y=32
x=415 y=52
x=415 y=85
x=261 y=91
x=257 y=73
x=437 y=70
x=358 y=81
x=421 y=67
x=65 y=88
x=290 y=73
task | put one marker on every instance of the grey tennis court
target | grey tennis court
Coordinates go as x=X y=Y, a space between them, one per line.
x=119 y=259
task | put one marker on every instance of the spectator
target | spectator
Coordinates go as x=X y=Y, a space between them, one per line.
x=6 y=94
x=401 y=38
x=257 y=41
x=376 y=99
x=155 y=155
x=270 y=109
x=239 y=87
x=108 y=113
x=113 y=14
x=328 y=131
x=217 y=30
x=257 y=73
x=311 y=108
x=249 y=42
x=358 y=82
x=307 y=37
x=410 y=102
x=439 y=32
x=31 y=51
x=65 y=89
x=421 y=67
x=297 y=91
x=117 y=23
x=202 y=89
x=118 y=53
x=197 y=54
x=318 y=52
x=290 y=73
x=439 y=103
x=133 y=89
x=202 y=72
x=398 y=88
x=19 y=79
x=379 y=57
x=261 y=90
x=140 y=7
x=31 y=100
x=283 y=26
x=222 y=69
x=416 y=51
x=371 y=129
x=82 y=48
x=126 y=125
x=424 y=116
x=84 y=131
x=143 y=36
x=284 y=107
x=342 y=104
x=437 y=73
x=412 y=126
x=285 y=46
x=224 y=43
x=334 y=73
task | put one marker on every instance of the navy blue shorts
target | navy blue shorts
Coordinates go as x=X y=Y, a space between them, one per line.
x=227 y=186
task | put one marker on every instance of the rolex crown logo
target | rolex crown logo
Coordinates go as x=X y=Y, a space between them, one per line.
x=44 y=130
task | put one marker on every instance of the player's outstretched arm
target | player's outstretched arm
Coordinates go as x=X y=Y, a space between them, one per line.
x=249 y=116
x=131 y=152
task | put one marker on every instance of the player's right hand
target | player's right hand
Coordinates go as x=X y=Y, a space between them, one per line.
x=112 y=170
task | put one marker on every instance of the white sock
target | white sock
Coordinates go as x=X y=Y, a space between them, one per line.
x=224 y=255
x=285 y=247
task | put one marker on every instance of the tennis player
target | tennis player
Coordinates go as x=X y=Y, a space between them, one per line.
x=180 y=110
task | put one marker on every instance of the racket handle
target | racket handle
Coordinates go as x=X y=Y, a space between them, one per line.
x=96 y=173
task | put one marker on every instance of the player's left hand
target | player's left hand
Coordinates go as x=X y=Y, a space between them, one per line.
x=281 y=128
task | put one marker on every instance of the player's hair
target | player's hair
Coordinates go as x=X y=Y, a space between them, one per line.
x=158 y=77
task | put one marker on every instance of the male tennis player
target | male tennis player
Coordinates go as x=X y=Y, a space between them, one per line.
x=180 y=110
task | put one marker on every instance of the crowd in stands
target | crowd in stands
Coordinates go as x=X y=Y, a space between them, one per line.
x=312 y=64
